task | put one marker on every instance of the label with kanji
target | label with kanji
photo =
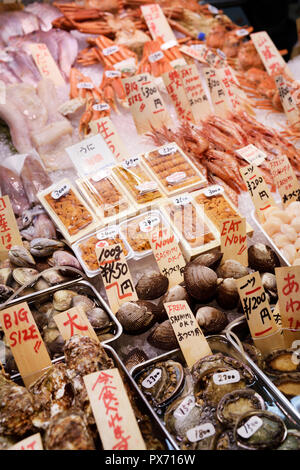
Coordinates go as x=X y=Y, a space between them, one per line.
x=258 y=189
x=189 y=335
x=157 y=22
x=217 y=93
x=233 y=238
x=106 y=128
x=167 y=254
x=114 y=416
x=256 y=307
x=46 y=64
x=236 y=97
x=195 y=92
x=25 y=342
x=175 y=88
x=29 y=443
x=90 y=155
x=146 y=104
x=9 y=232
x=285 y=179
x=288 y=102
x=203 y=54
x=74 y=322
x=116 y=276
x=252 y=154
x=269 y=54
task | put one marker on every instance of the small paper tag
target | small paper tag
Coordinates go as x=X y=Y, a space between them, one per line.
x=60 y=191
x=156 y=56
x=29 y=443
x=252 y=154
x=157 y=22
x=101 y=107
x=185 y=407
x=9 y=232
x=168 y=45
x=197 y=97
x=227 y=377
x=149 y=223
x=112 y=73
x=131 y=163
x=182 y=199
x=152 y=378
x=241 y=32
x=46 y=64
x=250 y=427
x=285 y=179
x=213 y=190
x=74 y=322
x=213 y=9
x=85 y=85
x=202 y=431
x=147 y=187
x=110 y=232
x=234 y=240
x=168 y=149
x=176 y=177
x=110 y=50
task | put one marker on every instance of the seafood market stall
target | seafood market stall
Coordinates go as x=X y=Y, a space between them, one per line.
x=149 y=229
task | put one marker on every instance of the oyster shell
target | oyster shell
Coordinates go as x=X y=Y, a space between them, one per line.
x=292 y=441
x=161 y=382
x=281 y=360
x=262 y=258
x=151 y=286
x=236 y=403
x=163 y=337
x=136 y=316
x=200 y=281
x=288 y=384
x=182 y=415
x=211 y=320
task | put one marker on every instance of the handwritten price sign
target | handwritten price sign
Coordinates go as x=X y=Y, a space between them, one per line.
x=175 y=88
x=25 y=342
x=197 y=97
x=269 y=54
x=234 y=240
x=9 y=232
x=217 y=92
x=106 y=128
x=157 y=22
x=46 y=64
x=74 y=322
x=30 y=443
x=285 y=179
x=288 y=287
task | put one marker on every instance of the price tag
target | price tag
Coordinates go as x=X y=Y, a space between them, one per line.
x=100 y=107
x=285 y=179
x=9 y=232
x=168 y=255
x=156 y=56
x=74 y=322
x=106 y=128
x=213 y=190
x=110 y=232
x=195 y=93
x=288 y=102
x=288 y=288
x=114 y=416
x=250 y=427
x=152 y=378
x=233 y=237
x=252 y=154
x=168 y=45
x=157 y=22
x=60 y=191
x=30 y=443
x=2 y=92
x=46 y=64
x=168 y=149
x=202 y=431
x=191 y=340
x=25 y=342
x=182 y=199
x=116 y=276
x=175 y=89
x=241 y=32
x=112 y=73
x=256 y=306
x=149 y=223
x=146 y=104
x=222 y=54
x=269 y=54
x=110 y=50
x=90 y=155
x=217 y=92
x=235 y=96
x=258 y=189
x=224 y=378
x=185 y=407
x=131 y=163
x=85 y=85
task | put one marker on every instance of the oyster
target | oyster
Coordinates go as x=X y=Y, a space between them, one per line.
x=68 y=431
x=282 y=360
x=136 y=317
x=292 y=441
x=200 y=281
x=161 y=381
x=225 y=441
x=233 y=269
x=288 y=384
x=182 y=415
x=41 y=247
x=62 y=299
x=263 y=430
x=211 y=320
x=236 y=403
x=262 y=258
x=25 y=276
x=151 y=286
x=20 y=256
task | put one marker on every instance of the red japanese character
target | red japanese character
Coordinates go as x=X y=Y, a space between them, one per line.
x=73 y=325
x=291 y=284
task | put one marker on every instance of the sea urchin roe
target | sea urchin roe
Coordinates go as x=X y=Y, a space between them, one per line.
x=188 y=222
x=172 y=169
x=138 y=183
x=105 y=194
x=217 y=208
x=88 y=252
x=70 y=210
x=137 y=238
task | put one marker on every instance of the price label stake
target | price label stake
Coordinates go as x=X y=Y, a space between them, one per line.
x=175 y=88
x=285 y=179
x=114 y=416
x=116 y=276
x=252 y=154
x=258 y=189
x=30 y=443
x=197 y=97
x=189 y=335
x=9 y=232
x=269 y=54
x=46 y=64
x=288 y=102
x=217 y=93
x=234 y=240
x=157 y=22
x=25 y=342
x=106 y=128
x=74 y=322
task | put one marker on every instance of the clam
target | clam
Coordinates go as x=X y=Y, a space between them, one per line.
x=41 y=284
x=41 y=316
x=282 y=360
x=236 y=403
x=175 y=293
x=25 y=276
x=227 y=294
x=200 y=281
x=54 y=341
x=269 y=283
x=163 y=337
x=288 y=384
x=233 y=269
x=52 y=277
x=5 y=293
x=42 y=247
x=262 y=258
x=136 y=317
x=62 y=299
x=211 y=320
x=98 y=318
x=210 y=260
x=183 y=414
x=267 y=432
x=292 y=441
x=161 y=382
x=5 y=276
x=134 y=357
x=63 y=258
x=151 y=285
x=83 y=301
x=20 y=256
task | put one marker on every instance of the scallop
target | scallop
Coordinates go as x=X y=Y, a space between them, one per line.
x=280 y=239
x=280 y=214
x=272 y=225
x=289 y=252
x=289 y=231
x=296 y=224
x=293 y=209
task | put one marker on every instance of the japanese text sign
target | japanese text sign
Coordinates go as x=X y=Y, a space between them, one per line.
x=90 y=155
x=217 y=92
x=9 y=232
x=288 y=102
x=288 y=288
x=203 y=54
x=167 y=254
x=174 y=86
x=252 y=154
x=189 y=335
x=116 y=276
x=74 y=322
x=235 y=96
x=46 y=64
x=269 y=54
x=106 y=128
x=115 y=419
x=30 y=443
x=195 y=93
x=285 y=179
x=25 y=342
x=157 y=22
x=234 y=240
x=146 y=104
x=258 y=189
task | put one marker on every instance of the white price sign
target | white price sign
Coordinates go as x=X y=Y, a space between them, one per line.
x=202 y=431
x=214 y=190
x=250 y=427
x=149 y=223
x=60 y=191
x=152 y=378
x=182 y=199
x=185 y=407
x=229 y=377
